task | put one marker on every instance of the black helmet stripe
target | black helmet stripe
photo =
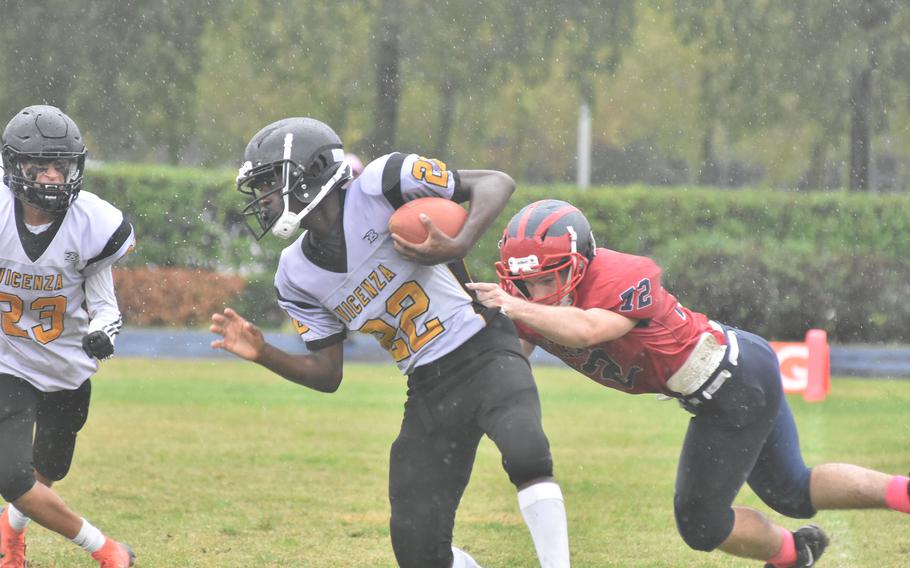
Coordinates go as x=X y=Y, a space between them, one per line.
x=523 y=217
x=539 y=217
x=391 y=180
x=547 y=222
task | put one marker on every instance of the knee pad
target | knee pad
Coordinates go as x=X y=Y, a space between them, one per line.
x=54 y=471
x=527 y=458
x=702 y=525
x=526 y=468
x=53 y=460
x=525 y=449
x=791 y=500
x=16 y=481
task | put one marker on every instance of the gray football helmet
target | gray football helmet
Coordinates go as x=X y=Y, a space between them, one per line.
x=288 y=168
x=38 y=138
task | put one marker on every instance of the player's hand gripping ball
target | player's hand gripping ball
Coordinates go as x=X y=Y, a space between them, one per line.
x=447 y=215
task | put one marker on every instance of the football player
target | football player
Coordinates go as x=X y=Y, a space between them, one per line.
x=59 y=316
x=605 y=314
x=346 y=272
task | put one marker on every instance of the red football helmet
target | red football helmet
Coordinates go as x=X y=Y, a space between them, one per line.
x=545 y=237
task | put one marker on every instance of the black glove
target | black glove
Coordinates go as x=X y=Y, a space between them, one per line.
x=98 y=345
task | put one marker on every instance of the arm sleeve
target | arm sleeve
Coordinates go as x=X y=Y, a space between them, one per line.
x=101 y=301
x=405 y=177
x=315 y=325
x=118 y=245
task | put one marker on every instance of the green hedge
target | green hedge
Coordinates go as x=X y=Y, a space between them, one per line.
x=769 y=261
x=183 y=217
x=783 y=288
x=773 y=262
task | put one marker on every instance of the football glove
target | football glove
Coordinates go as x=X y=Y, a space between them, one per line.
x=98 y=345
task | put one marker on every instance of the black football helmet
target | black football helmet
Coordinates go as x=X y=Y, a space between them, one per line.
x=288 y=169
x=548 y=236
x=37 y=138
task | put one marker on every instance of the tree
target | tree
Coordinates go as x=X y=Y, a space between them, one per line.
x=801 y=63
x=38 y=63
x=124 y=70
x=498 y=73
x=387 y=51
x=594 y=35
x=871 y=18
x=263 y=61
x=472 y=51
x=161 y=76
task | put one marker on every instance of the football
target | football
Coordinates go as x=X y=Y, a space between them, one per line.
x=445 y=214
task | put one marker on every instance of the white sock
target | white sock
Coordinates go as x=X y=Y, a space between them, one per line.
x=17 y=520
x=544 y=512
x=89 y=538
x=463 y=559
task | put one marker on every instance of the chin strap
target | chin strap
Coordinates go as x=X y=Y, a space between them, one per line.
x=289 y=222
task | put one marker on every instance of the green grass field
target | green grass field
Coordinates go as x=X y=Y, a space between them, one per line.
x=221 y=464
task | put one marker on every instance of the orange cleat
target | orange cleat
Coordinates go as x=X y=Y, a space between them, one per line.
x=12 y=544
x=114 y=555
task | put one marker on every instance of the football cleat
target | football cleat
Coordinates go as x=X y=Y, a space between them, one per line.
x=810 y=542
x=12 y=544
x=114 y=555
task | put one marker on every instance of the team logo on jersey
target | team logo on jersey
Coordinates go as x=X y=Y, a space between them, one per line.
x=370 y=235
x=71 y=256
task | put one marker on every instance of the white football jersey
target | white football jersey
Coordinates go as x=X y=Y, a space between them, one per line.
x=42 y=313
x=418 y=313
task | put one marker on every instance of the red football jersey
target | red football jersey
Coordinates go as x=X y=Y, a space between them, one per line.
x=642 y=360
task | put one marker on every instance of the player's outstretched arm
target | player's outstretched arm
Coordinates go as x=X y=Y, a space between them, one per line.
x=320 y=370
x=565 y=325
x=238 y=336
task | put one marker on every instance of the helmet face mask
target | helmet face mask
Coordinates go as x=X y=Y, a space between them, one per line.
x=290 y=167
x=68 y=168
x=566 y=270
x=38 y=140
x=268 y=191
x=546 y=238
